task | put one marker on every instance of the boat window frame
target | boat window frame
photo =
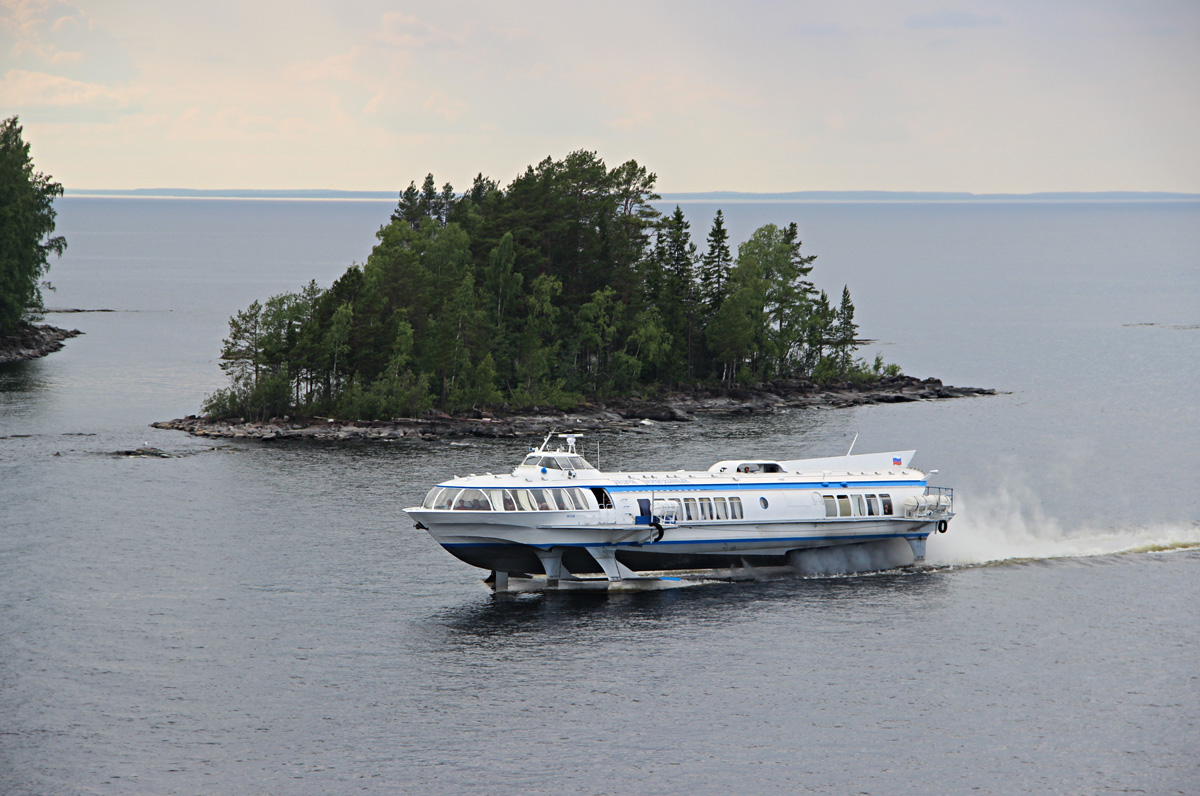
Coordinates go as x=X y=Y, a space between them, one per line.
x=887 y=504
x=872 y=505
x=566 y=495
x=447 y=499
x=546 y=498
x=691 y=509
x=831 y=507
x=735 y=509
x=706 y=510
x=462 y=496
x=431 y=497
x=496 y=497
x=580 y=496
x=720 y=509
x=843 y=502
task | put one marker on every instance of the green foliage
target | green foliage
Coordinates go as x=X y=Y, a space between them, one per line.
x=563 y=286
x=827 y=370
x=845 y=330
x=26 y=225
x=715 y=265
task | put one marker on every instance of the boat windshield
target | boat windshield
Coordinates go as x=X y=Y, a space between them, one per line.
x=560 y=461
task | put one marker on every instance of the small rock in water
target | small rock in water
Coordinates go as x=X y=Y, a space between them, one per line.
x=144 y=451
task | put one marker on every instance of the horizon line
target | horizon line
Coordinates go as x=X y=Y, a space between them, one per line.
x=674 y=196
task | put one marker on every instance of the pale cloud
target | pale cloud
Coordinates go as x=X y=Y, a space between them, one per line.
x=406 y=31
x=448 y=108
x=646 y=98
x=953 y=18
x=344 y=76
x=25 y=90
x=820 y=30
x=62 y=38
x=777 y=96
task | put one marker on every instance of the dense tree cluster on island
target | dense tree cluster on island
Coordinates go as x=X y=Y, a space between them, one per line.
x=563 y=287
x=26 y=230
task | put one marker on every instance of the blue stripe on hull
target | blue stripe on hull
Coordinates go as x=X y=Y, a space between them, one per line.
x=707 y=487
x=773 y=541
x=725 y=487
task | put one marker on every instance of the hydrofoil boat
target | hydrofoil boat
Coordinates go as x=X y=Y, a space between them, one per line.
x=557 y=522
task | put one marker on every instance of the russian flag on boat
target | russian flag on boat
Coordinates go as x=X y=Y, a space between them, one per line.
x=896 y=461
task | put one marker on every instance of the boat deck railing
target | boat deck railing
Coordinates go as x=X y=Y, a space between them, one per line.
x=936 y=503
x=939 y=491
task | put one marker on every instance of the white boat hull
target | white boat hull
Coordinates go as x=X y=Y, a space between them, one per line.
x=513 y=547
x=557 y=516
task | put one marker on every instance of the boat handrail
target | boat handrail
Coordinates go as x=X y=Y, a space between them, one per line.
x=940 y=490
x=937 y=502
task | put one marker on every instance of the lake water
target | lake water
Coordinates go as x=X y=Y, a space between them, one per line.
x=252 y=618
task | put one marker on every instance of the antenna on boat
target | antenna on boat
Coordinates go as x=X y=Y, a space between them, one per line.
x=852 y=443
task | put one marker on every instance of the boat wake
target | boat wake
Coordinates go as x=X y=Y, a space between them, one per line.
x=1008 y=527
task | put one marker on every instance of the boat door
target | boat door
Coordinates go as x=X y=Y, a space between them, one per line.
x=608 y=510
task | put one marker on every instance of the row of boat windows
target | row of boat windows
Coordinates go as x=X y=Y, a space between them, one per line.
x=575 y=499
x=712 y=508
x=443 y=499
x=857 y=505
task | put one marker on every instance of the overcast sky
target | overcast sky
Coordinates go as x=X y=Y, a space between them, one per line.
x=769 y=96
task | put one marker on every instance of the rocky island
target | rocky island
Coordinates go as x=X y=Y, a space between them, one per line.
x=565 y=299
x=617 y=415
x=30 y=341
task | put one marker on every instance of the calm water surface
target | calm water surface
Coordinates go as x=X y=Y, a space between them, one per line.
x=250 y=618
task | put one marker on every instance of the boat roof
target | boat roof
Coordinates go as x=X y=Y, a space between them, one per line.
x=541 y=467
x=830 y=464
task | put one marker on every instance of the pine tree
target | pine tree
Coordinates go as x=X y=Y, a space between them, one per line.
x=677 y=302
x=337 y=347
x=715 y=265
x=409 y=208
x=845 y=332
x=802 y=265
x=241 y=351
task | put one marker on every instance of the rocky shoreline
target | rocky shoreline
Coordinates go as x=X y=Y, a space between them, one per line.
x=623 y=415
x=31 y=341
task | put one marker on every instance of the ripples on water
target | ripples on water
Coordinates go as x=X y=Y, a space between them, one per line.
x=257 y=618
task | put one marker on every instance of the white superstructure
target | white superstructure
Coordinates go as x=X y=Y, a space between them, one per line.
x=557 y=515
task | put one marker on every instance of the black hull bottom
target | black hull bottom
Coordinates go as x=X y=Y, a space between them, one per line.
x=518 y=558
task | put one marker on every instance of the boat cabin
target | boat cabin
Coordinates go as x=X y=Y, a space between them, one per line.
x=545 y=459
x=556 y=461
x=747 y=467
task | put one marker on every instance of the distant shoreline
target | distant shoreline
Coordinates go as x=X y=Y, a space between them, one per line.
x=731 y=197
